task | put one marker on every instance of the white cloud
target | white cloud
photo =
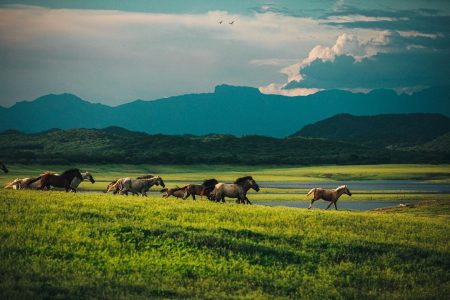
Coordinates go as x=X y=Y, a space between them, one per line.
x=346 y=44
x=275 y=88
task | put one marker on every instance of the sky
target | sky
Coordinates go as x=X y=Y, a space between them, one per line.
x=115 y=52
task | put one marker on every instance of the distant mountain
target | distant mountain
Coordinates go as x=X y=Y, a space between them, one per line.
x=380 y=130
x=229 y=110
x=118 y=145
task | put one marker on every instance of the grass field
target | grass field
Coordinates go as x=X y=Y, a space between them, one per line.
x=58 y=245
x=93 y=245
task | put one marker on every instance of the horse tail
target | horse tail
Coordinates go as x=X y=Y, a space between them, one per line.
x=311 y=191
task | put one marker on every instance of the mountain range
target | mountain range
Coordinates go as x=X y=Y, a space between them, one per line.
x=228 y=110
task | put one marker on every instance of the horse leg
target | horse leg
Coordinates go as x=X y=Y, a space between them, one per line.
x=311 y=203
x=248 y=201
x=329 y=205
x=193 y=196
x=335 y=206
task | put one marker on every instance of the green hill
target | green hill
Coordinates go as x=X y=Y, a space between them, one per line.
x=118 y=145
x=380 y=130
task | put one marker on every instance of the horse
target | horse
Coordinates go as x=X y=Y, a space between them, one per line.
x=3 y=167
x=238 y=190
x=328 y=195
x=63 y=180
x=116 y=186
x=201 y=189
x=23 y=183
x=178 y=192
x=76 y=181
x=140 y=185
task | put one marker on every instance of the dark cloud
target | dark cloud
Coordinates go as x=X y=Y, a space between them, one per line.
x=385 y=70
x=422 y=20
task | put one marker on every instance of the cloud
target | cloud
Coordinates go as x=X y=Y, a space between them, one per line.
x=116 y=56
x=400 y=70
x=346 y=44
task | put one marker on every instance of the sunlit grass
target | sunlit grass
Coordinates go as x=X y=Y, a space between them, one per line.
x=56 y=244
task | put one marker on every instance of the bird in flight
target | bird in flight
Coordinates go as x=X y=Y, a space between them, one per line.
x=231 y=23
x=220 y=22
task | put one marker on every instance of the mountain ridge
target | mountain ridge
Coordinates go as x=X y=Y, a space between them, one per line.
x=229 y=110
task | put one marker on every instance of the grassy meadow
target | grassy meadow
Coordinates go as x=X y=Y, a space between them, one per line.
x=94 y=245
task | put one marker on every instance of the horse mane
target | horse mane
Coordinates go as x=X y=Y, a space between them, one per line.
x=145 y=176
x=241 y=180
x=210 y=182
x=340 y=187
x=70 y=171
x=36 y=179
x=179 y=188
x=47 y=173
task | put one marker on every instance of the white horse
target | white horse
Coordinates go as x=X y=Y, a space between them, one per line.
x=140 y=185
x=85 y=176
x=24 y=183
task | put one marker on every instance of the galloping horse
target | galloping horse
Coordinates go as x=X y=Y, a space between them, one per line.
x=238 y=190
x=24 y=183
x=328 y=195
x=63 y=180
x=201 y=189
x=178 y=192
x=3 y=167
x=76 y=181
x=140 y=185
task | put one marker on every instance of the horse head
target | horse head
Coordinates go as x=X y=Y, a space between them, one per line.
x=158 y=181
x=254 y=185
x=344 y=190
x=89 y=177
x=249 y=181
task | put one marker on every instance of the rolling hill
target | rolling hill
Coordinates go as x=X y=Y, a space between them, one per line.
x=118 y=145
x=229 y=110
x=390 y=130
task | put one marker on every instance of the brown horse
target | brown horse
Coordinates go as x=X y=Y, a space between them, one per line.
x=61 y=180
x=238 y=190
x=3 y=167
x=202 y=189
x=178 y=192
x=328 y=195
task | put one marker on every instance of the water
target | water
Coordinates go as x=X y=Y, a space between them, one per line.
x=342 y=205
x=370 y=185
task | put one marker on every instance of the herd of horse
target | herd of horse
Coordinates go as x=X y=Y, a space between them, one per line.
x=212 y=189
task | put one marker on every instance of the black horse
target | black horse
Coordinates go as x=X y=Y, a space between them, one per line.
x=3 y=167
x=60 y=180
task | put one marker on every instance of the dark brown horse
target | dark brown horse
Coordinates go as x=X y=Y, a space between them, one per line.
x=328 y=195
x=3 y=167
x=61 y=180
x=203 y=189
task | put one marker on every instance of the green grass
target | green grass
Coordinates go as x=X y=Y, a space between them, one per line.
x=61 y=245
x=191 y=173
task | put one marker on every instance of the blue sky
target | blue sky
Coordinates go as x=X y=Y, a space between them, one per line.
x=118 y=51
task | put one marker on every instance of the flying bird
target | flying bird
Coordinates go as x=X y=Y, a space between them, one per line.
x=231 y=23
x=220 y=22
